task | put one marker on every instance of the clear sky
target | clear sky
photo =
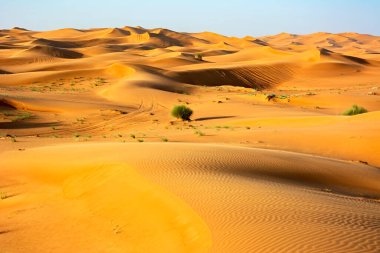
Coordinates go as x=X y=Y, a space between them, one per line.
x=232 y=17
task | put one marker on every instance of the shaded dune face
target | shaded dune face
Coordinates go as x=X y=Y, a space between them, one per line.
x=7 y=105
x=2 y=72
x=54 y=43
x=257 y=77
x=50 y=51
x=248 y=199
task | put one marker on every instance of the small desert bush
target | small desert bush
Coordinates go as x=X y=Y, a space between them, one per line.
x=199 y=133
x=198 y=57
x=3 y=195
x=182 y=112
x=22 y=116
x=269 y=97
x=354 y=110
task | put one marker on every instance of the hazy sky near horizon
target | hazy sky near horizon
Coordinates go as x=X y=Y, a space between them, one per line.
x=233 y=17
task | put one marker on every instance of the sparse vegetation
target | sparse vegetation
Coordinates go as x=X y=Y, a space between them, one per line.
x=35 y=89
x=68 y=85
x=181 y=92
x=283 y=97
x=99 y=81
x=269 y=97
x=140 y=140
x=81 y=120
x=3 y=195
x=132 y=136
x=182 y=112
x=164 y=139
x=220 y=127
x=22 y=116
x=354 y=110
x=199 y=133
x=198 y=57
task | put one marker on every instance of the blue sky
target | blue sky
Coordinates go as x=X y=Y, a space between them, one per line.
x=233 y=17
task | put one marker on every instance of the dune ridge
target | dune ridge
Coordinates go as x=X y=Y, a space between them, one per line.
x=51 y=52
x=251 y=76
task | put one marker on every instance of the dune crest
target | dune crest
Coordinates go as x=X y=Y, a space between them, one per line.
x=50 y=51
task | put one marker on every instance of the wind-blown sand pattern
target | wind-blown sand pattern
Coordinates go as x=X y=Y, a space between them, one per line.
x=252 y=200
x=247 y=174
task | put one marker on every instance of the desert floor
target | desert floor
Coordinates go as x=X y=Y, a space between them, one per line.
x=92 y=161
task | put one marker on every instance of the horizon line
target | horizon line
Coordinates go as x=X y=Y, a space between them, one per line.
x=205 y=31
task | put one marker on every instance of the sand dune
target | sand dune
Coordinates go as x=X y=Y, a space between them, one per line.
x=54 y=43
x=245 y=197
x=251 y=54
x=49 y=52
x=115 y=32
x=269 y=163
x=250 y=76
x=61 y=33
x=2 y=72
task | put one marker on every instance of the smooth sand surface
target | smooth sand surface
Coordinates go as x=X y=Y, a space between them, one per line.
x=92 y=160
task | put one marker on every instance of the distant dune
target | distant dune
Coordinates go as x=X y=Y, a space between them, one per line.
x=91 y=159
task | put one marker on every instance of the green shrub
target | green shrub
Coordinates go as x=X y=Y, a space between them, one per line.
x=22 y=116
x=182 y=112
x=198 y=57
x=269 y=97
x=199 y=133
x=354 y=110
x=3 y=195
